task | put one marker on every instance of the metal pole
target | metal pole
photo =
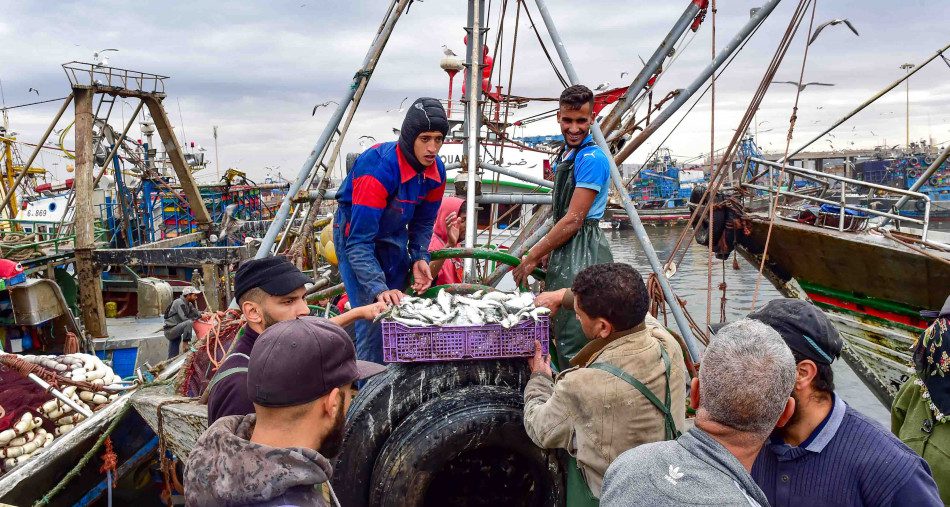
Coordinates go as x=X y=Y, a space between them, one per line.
x=640 y=232
x=58 y=394
x=529 y=198
x=685 y=94
x=657 y=59
x=920 y=182
x=36 y=151
x=541 y=182
x=907 y=67
x=369 y=63
x=868 y=102
x=473 y=92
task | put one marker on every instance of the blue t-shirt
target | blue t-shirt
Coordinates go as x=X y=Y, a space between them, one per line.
x=592 y=170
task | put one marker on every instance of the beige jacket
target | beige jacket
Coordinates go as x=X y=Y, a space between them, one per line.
x=595 y=415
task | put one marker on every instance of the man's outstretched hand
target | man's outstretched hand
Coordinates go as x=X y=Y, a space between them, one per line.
x=421 y=276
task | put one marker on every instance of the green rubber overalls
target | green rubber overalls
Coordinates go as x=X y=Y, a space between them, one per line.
x=586 y=248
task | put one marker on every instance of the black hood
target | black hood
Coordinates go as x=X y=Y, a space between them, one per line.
x=425 y=114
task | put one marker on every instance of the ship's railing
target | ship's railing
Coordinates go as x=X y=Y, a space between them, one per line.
x=87 y=75
x=785 y=187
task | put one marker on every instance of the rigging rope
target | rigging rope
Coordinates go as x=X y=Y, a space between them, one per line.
x=781 y=172
x=718 y=177
x=543 y=47
x=712 y=159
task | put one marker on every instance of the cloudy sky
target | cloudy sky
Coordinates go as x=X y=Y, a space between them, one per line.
x=256 y=69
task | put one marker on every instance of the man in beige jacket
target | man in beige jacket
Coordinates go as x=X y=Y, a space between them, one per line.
x=626 y=387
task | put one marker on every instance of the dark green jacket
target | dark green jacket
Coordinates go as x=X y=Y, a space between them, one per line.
x=910 y=416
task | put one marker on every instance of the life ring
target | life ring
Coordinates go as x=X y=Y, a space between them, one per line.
x=933 y=181
x=914 y=161
x=913 y=174
x=928 y=160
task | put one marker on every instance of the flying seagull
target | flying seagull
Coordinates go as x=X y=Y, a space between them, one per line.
x=396 y=131
x=833 y=22
x=100 y=59
x=34 y=90
x=363 y=140
x=622 y=74
x=324 y=104
x=401 y=108
x=447 y=52
x=804 y=85
x=602 y=86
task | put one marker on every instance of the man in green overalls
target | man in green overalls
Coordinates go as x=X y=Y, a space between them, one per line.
x=581 y=185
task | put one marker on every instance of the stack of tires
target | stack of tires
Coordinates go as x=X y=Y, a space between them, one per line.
x=444 y=434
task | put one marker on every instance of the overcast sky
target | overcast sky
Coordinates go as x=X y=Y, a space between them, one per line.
x=256 y=69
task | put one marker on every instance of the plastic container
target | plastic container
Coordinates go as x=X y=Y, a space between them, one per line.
x=406 y=344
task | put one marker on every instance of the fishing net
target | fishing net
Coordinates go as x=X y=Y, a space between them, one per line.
x=207 y=355
x=18 y=395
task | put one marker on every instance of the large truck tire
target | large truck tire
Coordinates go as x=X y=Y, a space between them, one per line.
x=466 y=447
x=388 y=398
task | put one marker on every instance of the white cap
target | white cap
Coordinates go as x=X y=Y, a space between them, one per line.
x=190 y=290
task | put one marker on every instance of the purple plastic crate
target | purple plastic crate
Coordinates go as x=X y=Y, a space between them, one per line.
x=405 y=344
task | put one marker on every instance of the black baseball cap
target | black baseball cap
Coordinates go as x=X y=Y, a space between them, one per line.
x=275 y=275
x=802 y=325
x=297 y=361
x=933 y=314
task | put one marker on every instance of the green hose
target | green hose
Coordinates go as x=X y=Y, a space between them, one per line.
x=484 y=254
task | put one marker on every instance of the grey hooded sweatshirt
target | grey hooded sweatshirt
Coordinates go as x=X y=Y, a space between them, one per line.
x=694 y=469
x=225 y=468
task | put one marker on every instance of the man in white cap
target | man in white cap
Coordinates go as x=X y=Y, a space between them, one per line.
x=179 y=318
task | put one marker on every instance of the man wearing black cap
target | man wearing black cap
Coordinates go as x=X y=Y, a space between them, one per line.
x=387 y=207
x=300 y=376
x=268 y=291
x=828 y=453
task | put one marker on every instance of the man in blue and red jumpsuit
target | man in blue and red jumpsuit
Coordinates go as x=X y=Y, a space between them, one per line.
x=383 y=224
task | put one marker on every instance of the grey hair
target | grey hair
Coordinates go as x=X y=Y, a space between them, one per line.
x=746 y=377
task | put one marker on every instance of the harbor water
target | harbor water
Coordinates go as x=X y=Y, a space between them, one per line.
x=690 y=283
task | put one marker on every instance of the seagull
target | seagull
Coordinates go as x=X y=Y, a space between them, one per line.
x=602 y=86
x=363 y=140
x=622 y=74
x=324 y=104
x=805 y=85
x=833 y=22
x=447 y=52
x=34 y=90
x=100 y=59
x=873 y=134
x=820 y=107
x=401 y=108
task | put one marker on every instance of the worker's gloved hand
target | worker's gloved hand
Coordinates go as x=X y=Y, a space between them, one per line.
x=421 y=276
x=390 y=297
x=550 y=300
x=538 y=362
x=371 y=311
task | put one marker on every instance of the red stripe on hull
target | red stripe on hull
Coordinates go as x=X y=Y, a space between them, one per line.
x=873 y=312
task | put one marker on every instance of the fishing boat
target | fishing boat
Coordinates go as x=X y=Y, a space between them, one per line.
x=871 y=281
x=661 y=190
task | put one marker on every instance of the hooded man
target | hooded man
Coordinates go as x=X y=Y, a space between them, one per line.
x=383 y=224
x=300 y=377
x=179 y=320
